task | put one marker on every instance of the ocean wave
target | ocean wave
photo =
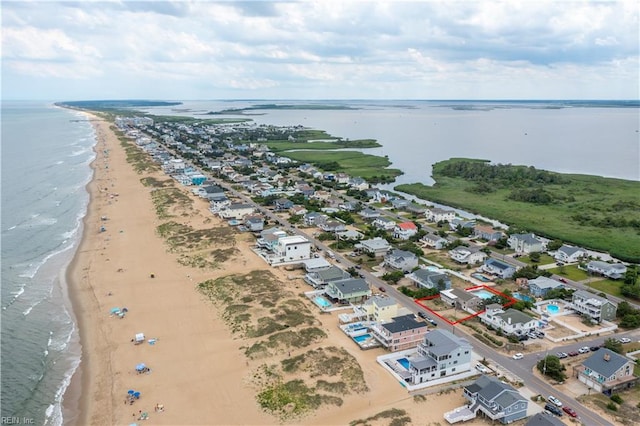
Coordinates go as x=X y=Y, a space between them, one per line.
x=34 y=268
x=30 y=308
x=79 y=151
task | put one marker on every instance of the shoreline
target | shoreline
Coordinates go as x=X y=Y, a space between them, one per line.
x=76 y=406
x=112 y=268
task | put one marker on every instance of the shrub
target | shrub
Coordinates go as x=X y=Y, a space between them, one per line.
x=616 y=398
x=612 y=406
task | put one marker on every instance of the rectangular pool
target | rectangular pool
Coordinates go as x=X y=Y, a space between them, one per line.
x=362 y=337
x=404 y=362
x=322 y=302
x=483 y=294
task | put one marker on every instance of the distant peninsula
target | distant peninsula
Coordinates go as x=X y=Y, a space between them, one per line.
x=247 y=110
x=114 y=104
x=590 y=211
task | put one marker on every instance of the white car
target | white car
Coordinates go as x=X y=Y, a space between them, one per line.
x=584 y=350
x=482 y=368
x=624 y=340
x=518 y=356
x=555 y=401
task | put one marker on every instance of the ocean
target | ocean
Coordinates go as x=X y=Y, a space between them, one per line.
x=46 y=153
x=45 y=167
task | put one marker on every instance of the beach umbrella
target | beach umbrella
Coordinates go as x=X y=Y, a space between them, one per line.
x=141 y=366
x=130 y=392
x=115 y=310
x=136 y=394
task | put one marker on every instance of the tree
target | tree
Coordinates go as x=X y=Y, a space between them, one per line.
x=535 y=257
x=554 y=245
x=614 y=345
x=552 y=367
x=393 y=277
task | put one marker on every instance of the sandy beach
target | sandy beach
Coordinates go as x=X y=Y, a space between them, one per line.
x=199 y=370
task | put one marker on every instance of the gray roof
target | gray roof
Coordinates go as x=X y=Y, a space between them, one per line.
x=463 y=295
x=544 y=419
x=516 y=316
x=443 y=342
x=376 y=243
x=598 y=362
x=492 y=389
x=569 y=250
x=332 y=273
x=354 y=285
x=403 y=323
x=421 y=362
x=587 y=295
x=544 y=282
x=401 y=254
x=527 y=238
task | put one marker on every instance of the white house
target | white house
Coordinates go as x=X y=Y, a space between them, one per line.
x=512 y=321
x=467 y=255
x=569 y=254
x=498 y=268
x=295 y=247
x=236 y=211
x=401 y=260
x=383 y=223
x=435 y=214
x=405 y=230
x=439 y=355
x=595 y=307
x=525 y=243
x=434 y=241
x=610 y=270
x=427 y=278
x=377 y=246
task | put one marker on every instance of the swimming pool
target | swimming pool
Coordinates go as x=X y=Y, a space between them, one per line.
x=522 y=297
x=483 y=294
x=404 y=362
x=322 y=302
x=481 y=277
x=553 y=309
x=362 y=337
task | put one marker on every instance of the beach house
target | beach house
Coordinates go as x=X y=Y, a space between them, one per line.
x=569 y=254
x=435 y=214
x=383 y=223
x=511 y=322
x=540 y=286
x=495 y=400
x=401 y=260
x=320 y=279
x=426 y=278
x=607 y=372
x=498 y=268
x=487 y=233
x=461 y=299
x=467 y=255
x=525 y=243
x=434 y=241
x=292 y=248
x=353 y=290
x=399 y=333
x=382 y=308
x=439 y=354
x=614 y=271
x=595 y=307
x=405 y=230
x=376 y=246
x=236 y=211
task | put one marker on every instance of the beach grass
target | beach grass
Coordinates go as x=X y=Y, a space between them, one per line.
x=611 y=287
x=285 y=145
x=396 y=416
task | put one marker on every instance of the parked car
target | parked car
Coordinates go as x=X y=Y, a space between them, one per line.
x=382 y=289
x=562 y=355
x=594 y=348
x=624 y=340
x=532 y=336
x=555 y=401
x=562 y=280
x=570 y=411
x=573 y=353
x=422 y=315
x=518 y=356
x=540 y=334
x=584 y=350
x=432 y=322
x=482 y=368
x=553 y=409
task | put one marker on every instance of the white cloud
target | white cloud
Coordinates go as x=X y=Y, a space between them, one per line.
x=333 y=49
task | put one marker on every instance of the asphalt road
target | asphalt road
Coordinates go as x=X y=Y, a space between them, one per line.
x=523 y=368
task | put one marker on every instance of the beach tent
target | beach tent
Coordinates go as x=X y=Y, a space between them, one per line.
x=141 y=366
x=115 y=311
x=139 y=338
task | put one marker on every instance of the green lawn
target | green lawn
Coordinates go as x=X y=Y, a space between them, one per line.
x=572 y=272
x=281 y=146
x=607 y=286
x=545 y=259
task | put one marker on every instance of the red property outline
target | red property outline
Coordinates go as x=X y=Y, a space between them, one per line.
x=510 y=302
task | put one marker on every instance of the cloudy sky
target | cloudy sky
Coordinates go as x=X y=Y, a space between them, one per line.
x=325 y=49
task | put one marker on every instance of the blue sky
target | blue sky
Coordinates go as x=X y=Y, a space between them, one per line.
x=325 y=49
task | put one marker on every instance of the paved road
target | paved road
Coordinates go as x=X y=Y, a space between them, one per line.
x=521 y=368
